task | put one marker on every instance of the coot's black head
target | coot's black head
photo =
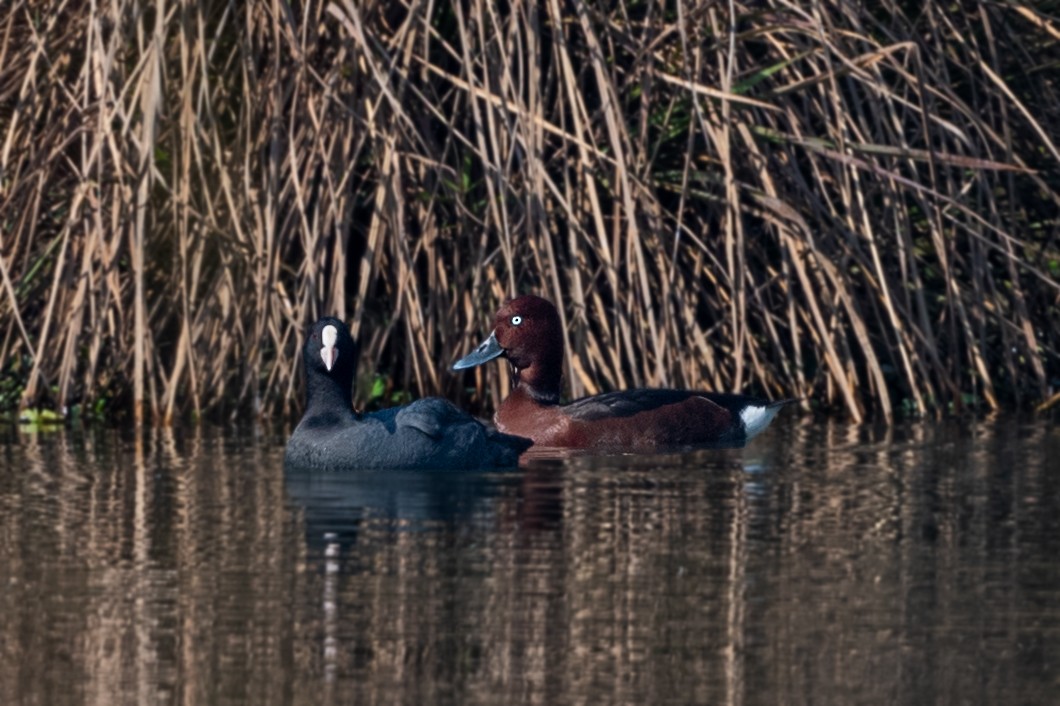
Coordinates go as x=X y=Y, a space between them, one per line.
x=330 y=358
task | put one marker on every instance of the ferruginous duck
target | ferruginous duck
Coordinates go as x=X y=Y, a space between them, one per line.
x=527 y=331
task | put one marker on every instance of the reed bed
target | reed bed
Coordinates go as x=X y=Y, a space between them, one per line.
x=853 y=205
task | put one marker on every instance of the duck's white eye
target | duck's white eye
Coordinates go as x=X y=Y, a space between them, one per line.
x=516 y=320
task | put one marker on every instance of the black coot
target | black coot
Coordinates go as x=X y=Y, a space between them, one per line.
x=428 y=434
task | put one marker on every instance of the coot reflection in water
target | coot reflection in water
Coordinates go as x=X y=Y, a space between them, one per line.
x=335 y=506
x=823 y=564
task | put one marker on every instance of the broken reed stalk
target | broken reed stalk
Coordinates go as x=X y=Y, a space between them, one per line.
x=853 y=206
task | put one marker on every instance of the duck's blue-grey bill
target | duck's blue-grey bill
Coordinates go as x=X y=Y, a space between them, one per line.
x=487 y=350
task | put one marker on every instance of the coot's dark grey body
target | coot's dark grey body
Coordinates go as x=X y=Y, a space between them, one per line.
x=427 y=434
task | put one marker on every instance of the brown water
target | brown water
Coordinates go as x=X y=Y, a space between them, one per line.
x=824 y=564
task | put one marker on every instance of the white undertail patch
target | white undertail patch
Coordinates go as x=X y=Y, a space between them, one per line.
x=756 y=418
x=329 y=353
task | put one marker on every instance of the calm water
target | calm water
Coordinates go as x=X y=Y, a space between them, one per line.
x=824 y=564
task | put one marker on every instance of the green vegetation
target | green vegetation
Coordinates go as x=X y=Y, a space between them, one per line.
x=856 y=204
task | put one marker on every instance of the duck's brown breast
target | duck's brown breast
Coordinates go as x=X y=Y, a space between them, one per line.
x=546 y=425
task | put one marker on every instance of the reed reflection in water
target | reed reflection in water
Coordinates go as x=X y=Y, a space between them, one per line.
x=824 y=564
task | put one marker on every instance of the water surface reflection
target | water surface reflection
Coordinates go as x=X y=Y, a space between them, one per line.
x=824 y=564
